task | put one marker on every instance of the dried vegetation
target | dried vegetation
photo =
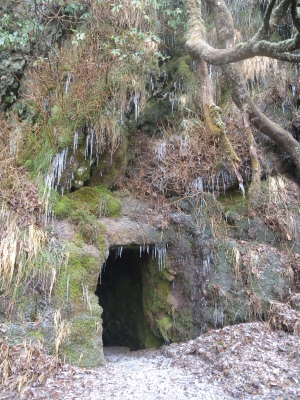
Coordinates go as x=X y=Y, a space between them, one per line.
x=247 y=361
x=187 y=159
x=24 y=366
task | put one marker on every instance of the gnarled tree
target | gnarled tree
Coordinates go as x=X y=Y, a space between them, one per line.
x=227 y=55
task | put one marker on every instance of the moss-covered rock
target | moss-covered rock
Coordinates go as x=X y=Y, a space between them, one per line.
x=74 y=294
x=83 y=345
x=97 y=201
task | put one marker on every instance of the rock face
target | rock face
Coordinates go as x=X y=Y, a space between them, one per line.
x=157 y=285
x=205 y=282
x=189 y=279
x=156 y=275
x=29 y=35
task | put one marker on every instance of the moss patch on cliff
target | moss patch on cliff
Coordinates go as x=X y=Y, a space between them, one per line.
x=80 y=273
x=155 y=302
x=83 y=345
x=97 y=201
x=74 y=293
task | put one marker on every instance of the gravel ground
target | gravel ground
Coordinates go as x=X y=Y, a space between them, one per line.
x=247 y=361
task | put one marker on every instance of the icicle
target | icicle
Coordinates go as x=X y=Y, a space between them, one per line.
x=161 y=250
x=161 y=150
x=241 y=186
x=119 y=252
x=75 y=142
x=83 y=291
x=86 y=153
x=197 y=184
x=69 y=78
x=68 y=282
x=101 y=269
x=219 y=315
x=88 y=300
x=206 y=265
x=152 y=84
x=223 y=179
x=92 y=140
x=136 y=101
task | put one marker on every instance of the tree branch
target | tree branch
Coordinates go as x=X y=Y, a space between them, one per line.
x=199 y=48
x=267 y=16
x=243 y=51
x=295 y=16
x=249 y=109
x=279 y=12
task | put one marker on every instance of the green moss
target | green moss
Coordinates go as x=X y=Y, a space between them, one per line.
x=101 y=240
x=234 y=201
x=65 y=124
x=82 y=269
x=97 y=201
x=151 y=340
x=83 y=344
x=63 y=207
x=70 y=281
x=165 y=324
x=36 y=335
x=56 y=115
x=160 y=295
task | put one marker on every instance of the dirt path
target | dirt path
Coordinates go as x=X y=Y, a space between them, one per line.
x=247 y=361
x=144 y=375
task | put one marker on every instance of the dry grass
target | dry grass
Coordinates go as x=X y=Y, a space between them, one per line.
x=187 y=160
x=62 y=329
x=19 y=250
x=125 y=13
x=16 y=189
x=92 y=85
x=29 y=260
x=23 y=367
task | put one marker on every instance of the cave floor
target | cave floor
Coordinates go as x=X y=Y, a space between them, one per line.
x=247 y=361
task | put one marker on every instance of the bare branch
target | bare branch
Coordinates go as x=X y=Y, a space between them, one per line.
x=295 y=16
x=268 y=16
x=199 y=48
x=245 y=103
x=279 y=12
x=243 y=51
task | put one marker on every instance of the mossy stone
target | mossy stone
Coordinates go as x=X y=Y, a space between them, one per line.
x=83 y=346
x=97 y=201
x=165 y=324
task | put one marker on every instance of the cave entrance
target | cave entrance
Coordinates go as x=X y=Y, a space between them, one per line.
x=120 y=295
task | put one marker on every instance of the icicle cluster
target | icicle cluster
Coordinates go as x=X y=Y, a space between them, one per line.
x=76 y=135
x=206 y=263
x=86 y=297
x=68 y=81
x=219 y=315
x=160 y=150
x=137 y=100
x=217 y=183
x=158 y=251
x=54 y=176
x=119 y=252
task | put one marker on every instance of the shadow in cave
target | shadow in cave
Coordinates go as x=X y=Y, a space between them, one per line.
x=121 y=297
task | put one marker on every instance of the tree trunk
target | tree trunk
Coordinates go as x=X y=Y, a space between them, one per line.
x=200 y=50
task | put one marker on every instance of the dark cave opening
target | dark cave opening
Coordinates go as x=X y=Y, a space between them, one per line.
x=121 y=297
